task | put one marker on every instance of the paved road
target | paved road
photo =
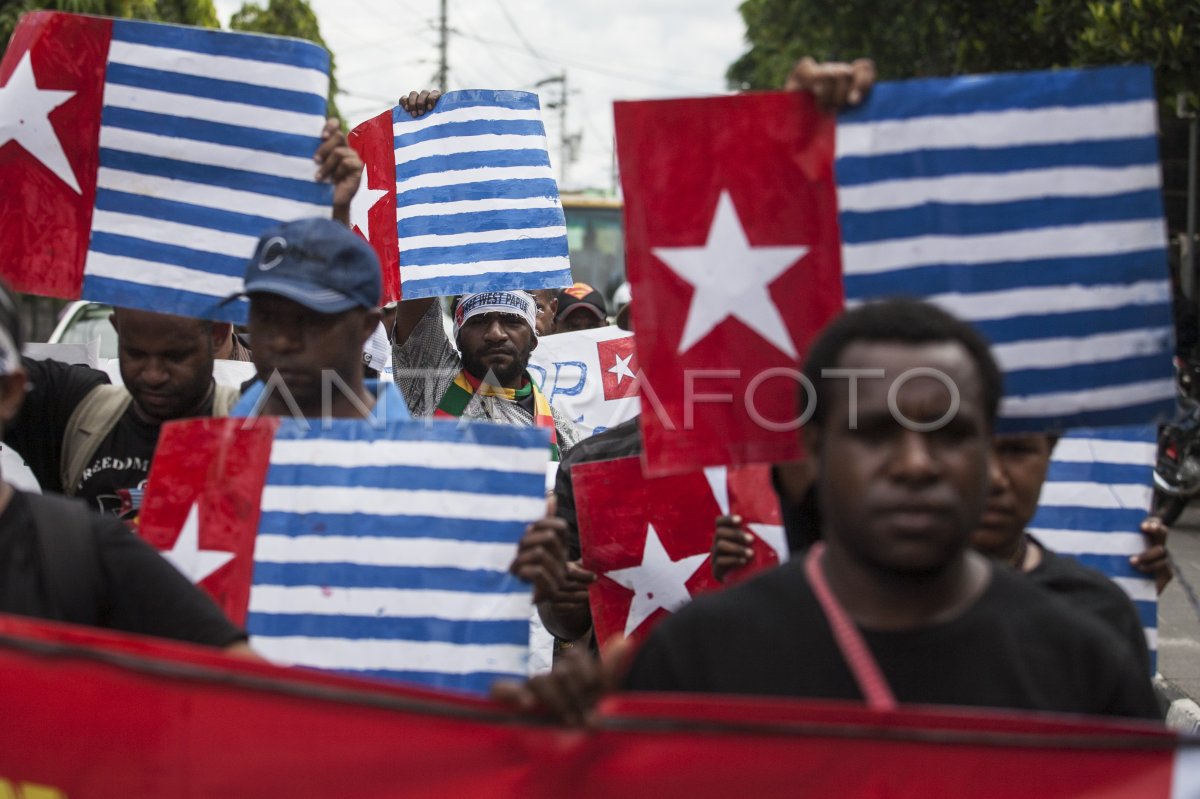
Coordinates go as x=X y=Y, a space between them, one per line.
x=1178 y=623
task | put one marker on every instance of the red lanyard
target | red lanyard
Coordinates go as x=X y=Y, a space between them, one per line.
x=871 y=682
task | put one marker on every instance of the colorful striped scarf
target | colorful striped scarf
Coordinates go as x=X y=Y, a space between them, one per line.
x=460 y=393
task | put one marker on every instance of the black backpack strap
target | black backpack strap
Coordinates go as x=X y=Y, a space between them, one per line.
x=69 y=557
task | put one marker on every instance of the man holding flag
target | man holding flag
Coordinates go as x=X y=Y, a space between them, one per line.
x=495 y=332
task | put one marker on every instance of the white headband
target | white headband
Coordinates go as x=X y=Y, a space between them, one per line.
x=519 y=303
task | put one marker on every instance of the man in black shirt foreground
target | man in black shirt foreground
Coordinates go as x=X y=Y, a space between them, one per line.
x=902 y=481
x=62 y=562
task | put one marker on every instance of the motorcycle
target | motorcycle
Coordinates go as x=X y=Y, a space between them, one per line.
x=1177 y=469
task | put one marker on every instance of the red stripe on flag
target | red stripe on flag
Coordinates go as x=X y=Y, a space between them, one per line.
x=45 y=223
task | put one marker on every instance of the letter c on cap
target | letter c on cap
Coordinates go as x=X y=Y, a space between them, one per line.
x=269 y=260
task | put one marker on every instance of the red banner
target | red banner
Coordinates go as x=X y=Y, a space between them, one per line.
x=733 y=254
x=90 y=714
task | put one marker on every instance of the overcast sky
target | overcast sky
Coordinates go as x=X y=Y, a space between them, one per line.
x=610 y=49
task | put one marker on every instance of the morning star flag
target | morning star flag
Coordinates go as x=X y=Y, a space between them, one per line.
x=589 y=376
x=376 y=550
x=649 y=539
x=141 y=161
x=463 y=196
x=733 y=254
x=1029 y=204
x=1095 y=497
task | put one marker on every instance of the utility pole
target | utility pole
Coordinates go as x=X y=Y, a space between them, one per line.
x=443 y=48
x=568 y=143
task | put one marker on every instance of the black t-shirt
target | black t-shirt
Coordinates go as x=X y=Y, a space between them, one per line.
x=1089 y=590
x=114 y=479
x=1016 y=647
x=139 y=591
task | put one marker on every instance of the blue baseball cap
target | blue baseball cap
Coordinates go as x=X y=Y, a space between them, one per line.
x=318 y=263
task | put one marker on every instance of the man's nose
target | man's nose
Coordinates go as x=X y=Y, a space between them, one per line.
x=155 y=372
x=494 y=331
x=282 y=338
x=914 y=459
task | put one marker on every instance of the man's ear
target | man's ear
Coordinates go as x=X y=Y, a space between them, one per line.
x=112 y=320
x=812 y=441
x=221 y=331
x=12 y=394
x=554 y=307
x=371 y=320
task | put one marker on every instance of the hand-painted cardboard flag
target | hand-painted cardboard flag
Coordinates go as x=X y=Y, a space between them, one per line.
x=374 y=550
x=1096 y=495
x=474 y=198
x=142 y=161
x=1030 y=205
x=650 y=539
x=590 y=376
x=733 y=254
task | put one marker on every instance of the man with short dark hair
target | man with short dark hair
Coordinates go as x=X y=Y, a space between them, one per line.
x=83 y=437
x=892 y=606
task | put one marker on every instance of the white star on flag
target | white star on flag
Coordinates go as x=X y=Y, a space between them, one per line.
x=25 y=118
x=658 y=582
x=620 y=368
x=187 y=556
x=731 y=278
x=361 y=204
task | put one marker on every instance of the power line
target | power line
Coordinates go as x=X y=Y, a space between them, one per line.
x=517 y=30
x=639 y=77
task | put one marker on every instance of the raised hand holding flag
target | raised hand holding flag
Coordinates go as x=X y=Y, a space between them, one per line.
x=143 y=160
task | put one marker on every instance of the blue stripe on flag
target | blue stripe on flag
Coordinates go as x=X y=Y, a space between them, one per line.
x=152 y=208
x=933 y=279
x=976 y=219
x=476 y=127
x=215 y=89
x=356 y=575
x=477 y=682
x=436 y=430
x=212 y=175
x=479 y=98
x=514 y=249
x=1147 y=613
x=450 y=224
x=1116 y=473
x=157 y=252
x=1077 y=323
x=274 y=49
x=174 y=301
x=372 y=525
x=1123 y=371
x=481 y=190
x=409 y=478
x=855 y=170
x=483 y=281
x=438 y=164
x=1066 y=517
x=971 y=94
x=212 y=132
x=426 y=628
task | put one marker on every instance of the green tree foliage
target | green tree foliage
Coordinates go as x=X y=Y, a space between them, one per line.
x=184 y=12
x=1164 y=33
x=287 y=18
x=949 y=37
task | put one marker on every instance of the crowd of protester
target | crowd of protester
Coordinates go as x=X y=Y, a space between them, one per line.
x=909 y=547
